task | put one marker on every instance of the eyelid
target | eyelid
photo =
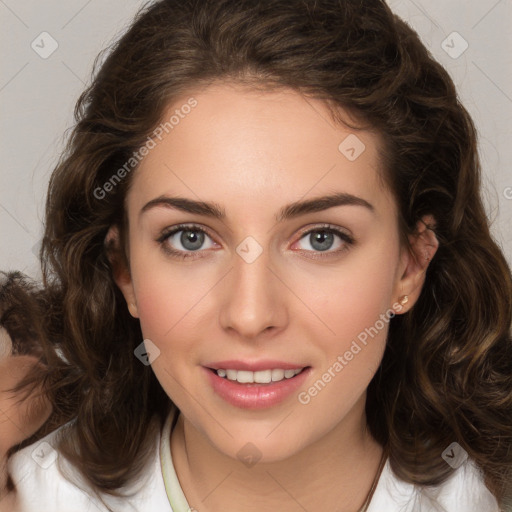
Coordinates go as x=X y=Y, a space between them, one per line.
x=167 y=232
x=327 y=227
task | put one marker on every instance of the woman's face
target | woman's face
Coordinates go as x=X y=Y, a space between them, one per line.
x=280 y=279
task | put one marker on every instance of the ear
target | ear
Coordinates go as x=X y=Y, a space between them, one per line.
x=414 y=263
x=120 y=269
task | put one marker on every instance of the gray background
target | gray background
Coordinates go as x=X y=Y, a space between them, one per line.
x=37 y=96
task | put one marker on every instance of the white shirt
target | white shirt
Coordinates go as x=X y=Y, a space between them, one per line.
x=37 y=471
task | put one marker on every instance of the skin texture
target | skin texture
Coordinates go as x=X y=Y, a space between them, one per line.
x=252 y=153
x=18 y=421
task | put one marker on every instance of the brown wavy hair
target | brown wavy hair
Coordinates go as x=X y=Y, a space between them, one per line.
x=446 y=374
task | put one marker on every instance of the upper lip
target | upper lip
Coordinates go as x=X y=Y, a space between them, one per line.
x=253 y=366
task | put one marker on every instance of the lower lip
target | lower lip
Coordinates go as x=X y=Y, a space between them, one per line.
x=253 y=395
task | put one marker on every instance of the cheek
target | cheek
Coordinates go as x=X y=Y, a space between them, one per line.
x=353 y=298
x=366 y=294
x=355 y=305
x=170 y=299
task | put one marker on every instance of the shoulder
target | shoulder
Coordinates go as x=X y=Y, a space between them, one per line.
x=463 y=491
x=38 y=474
x=45 y=481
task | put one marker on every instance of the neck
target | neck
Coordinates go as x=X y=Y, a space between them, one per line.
x=334 y=473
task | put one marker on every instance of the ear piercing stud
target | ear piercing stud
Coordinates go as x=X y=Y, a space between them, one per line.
x=404 y=300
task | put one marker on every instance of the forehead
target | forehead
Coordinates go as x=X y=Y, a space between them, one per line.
x=238 y=146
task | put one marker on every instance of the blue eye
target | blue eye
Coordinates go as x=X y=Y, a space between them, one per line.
x=323 y=240
x=320 y=240
x=191 y=240
x=187 y=241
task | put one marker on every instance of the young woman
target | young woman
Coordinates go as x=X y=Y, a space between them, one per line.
x=276 y=280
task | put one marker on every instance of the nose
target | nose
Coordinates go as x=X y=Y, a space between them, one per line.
x=253 y=299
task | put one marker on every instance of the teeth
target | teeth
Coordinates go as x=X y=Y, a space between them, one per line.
x=244 y=377
x=277 y=375
x=260 y=377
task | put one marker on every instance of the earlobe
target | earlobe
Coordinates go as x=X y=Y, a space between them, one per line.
x=120 y=270
x=423 y=246
x=132 y=308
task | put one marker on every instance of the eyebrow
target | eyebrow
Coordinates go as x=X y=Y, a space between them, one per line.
x=290 y=211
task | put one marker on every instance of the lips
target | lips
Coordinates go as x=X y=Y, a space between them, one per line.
x=255 y=395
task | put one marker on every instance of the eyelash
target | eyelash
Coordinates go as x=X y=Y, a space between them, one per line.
x=345 y=237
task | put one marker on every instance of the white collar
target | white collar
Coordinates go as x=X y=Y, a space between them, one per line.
x=173 y=488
